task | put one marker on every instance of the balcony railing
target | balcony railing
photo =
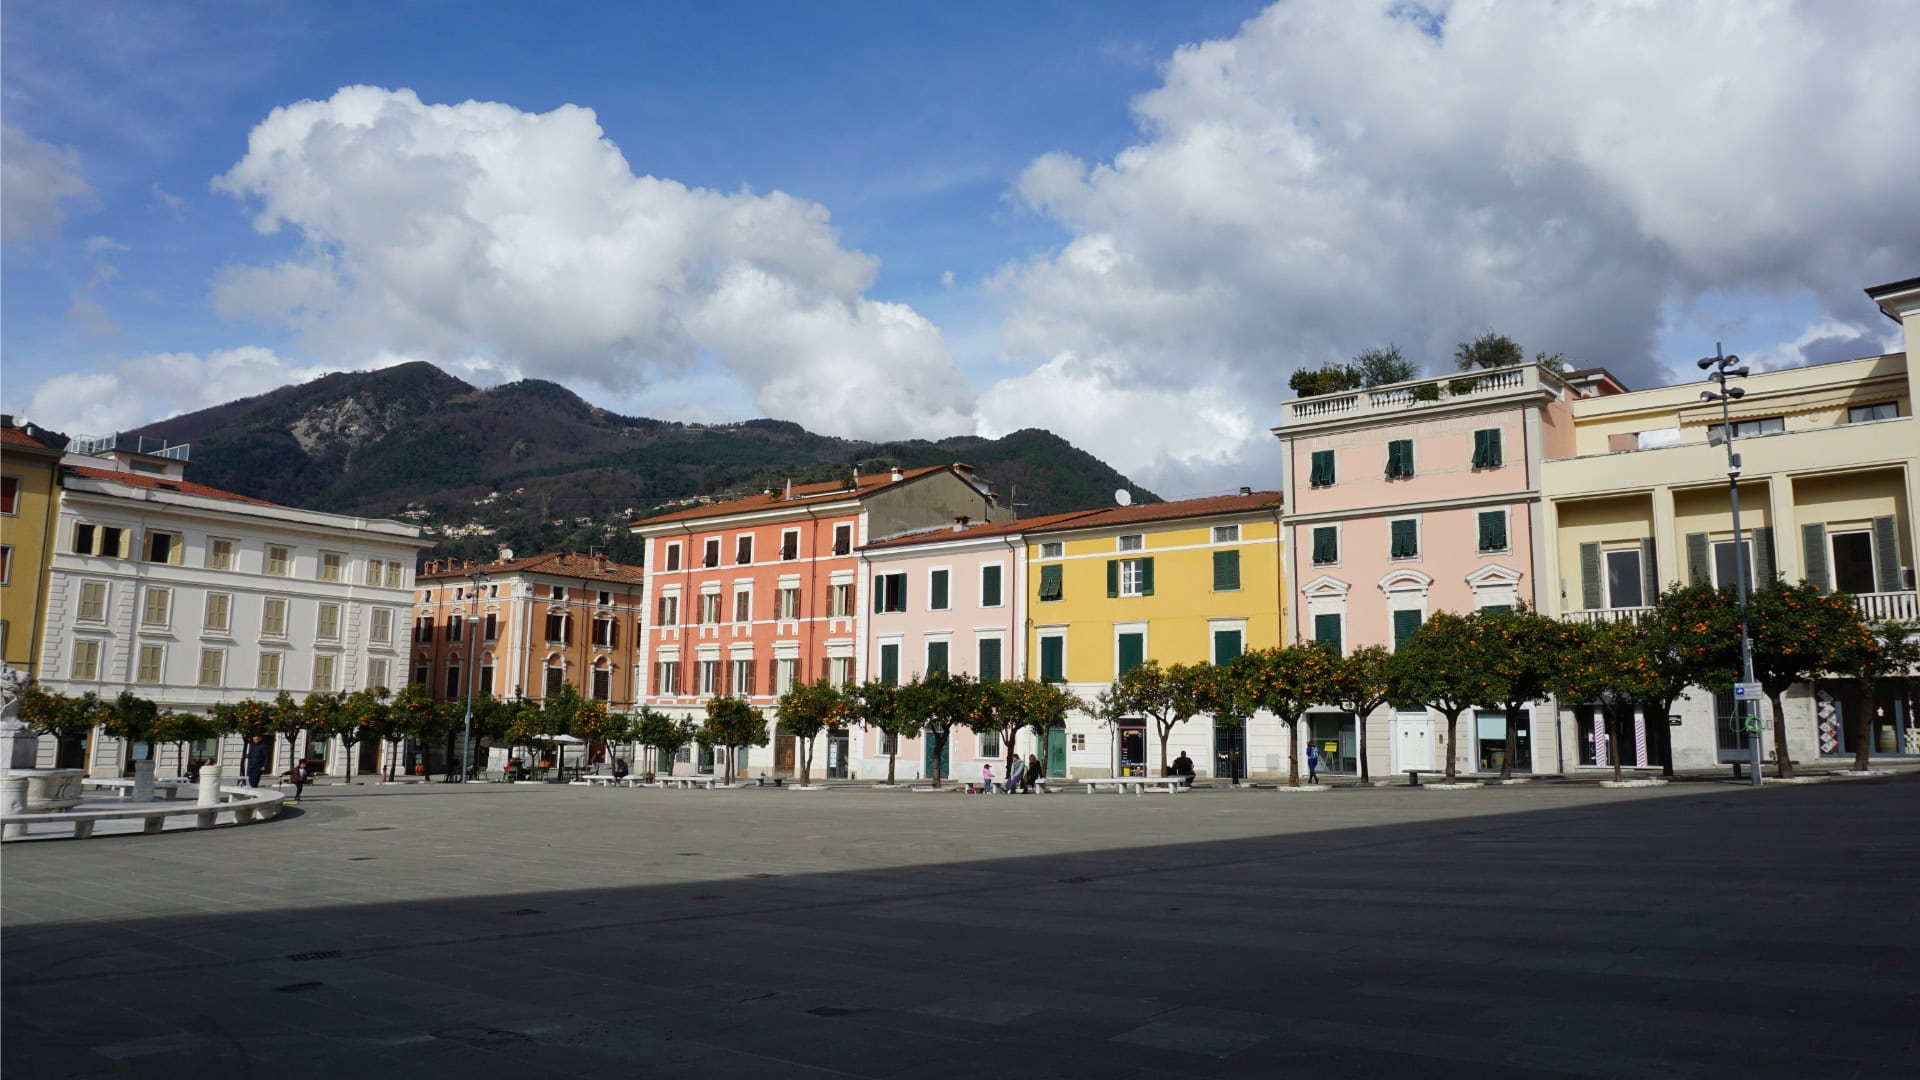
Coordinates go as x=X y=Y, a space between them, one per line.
x=1883 y=606
x=1608 y=614
x=1424 y=393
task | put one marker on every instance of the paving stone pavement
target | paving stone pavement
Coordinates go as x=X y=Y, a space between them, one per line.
x=487 y=930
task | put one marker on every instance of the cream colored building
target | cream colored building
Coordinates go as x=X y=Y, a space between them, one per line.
x=1829 y=479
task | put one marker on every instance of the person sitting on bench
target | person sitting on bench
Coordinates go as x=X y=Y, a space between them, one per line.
x=1182 y=767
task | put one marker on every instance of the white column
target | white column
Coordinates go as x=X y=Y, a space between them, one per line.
x=1787 y=558
x=209 y=796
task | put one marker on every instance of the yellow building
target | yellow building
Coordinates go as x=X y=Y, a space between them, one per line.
x=28 y=510
x=1829 y=476
x=1187 y=582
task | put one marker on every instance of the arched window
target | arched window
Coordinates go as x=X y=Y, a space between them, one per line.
x=556 y=673
x=603 y=679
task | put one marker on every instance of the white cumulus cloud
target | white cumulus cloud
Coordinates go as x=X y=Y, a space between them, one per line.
x=37 y=181
x=154 y=386
x=451 y=232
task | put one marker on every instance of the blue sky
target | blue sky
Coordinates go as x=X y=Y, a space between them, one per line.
x=1041 y=213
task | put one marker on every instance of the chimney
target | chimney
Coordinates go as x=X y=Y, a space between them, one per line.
x=963 y=469
x=1246 y=491
x=960 y=523
x=600 y=559
x=789 y=487
x=897 y=475
x=856 y=476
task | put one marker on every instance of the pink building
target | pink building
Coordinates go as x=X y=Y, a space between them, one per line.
x=1412 y=498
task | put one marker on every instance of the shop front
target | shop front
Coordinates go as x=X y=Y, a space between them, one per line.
x=1131 y=747
x=1490 y=729
x=1336 y=735
x=1845 y=713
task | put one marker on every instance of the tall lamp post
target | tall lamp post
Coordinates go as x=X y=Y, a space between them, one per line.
x=1720 y=367
x=473 y=636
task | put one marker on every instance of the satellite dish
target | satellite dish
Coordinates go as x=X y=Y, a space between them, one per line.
x=1122 y=497
x=506 y=554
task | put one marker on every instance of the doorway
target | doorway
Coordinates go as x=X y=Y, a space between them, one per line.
x=837 y=747
x=1229 y=752
x=1133 y=749
x=1490 y=730
x=1413 y=743
x=944 y=760
x=783 y=754
x=1334 y=735
x=1057 y=753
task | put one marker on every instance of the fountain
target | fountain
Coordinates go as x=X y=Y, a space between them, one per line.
x=27 y=789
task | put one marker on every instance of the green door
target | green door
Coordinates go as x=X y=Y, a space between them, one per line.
x=1057 y=753
x=946 y=756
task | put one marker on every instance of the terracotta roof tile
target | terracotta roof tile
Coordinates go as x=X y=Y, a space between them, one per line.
x=1168 y=511
x=975 y=531
x=558 y=563
x=827 y=491
x=161 y=483
x=13 y=436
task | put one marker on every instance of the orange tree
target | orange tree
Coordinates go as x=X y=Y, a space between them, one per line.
x=360 y=716
x=134 y=719
x=1225 y=695
x=416 y=716
x=1691 y=638
x=183 y=729
x=1518 y=652
x=662 y=735
x=1032 y=704
x=806 y=710
x=1438 y=667
x=245 y=718
x=1798 y=632
x=733 y=723
x=1287 y=682
x=1608 y=664
x=941 y=701
x=286 y=719
x=876 y=705
x=69 y=718
x=1360 y=685
x=597 y=725
x=1894 y=653
x=1169 y=696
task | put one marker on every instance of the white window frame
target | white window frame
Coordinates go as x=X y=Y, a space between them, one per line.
x=782 y=609
x=980 y=637
x=1606 y=574
x=1833 y=554
x=1226 y=534
x=267 y=605
x=286 y=561
x=1132 y=577
x=330 y=664
x=377 y=670
x=159 y=653
x=947 y=570
x=884 y=575
x=784 y=533
x=1419 y=539
x=739 y=592
x=1506 y=512
x=980 y=585
x=213 y=553
x=838 y=528
x=338 y=569
x=90 y=649
x=106 y=601
x=1146 y=643
x=1713 y=560
x=840 y=600
x=748 y=537
x=320 y=612
x=206 y=614
x=176 y=547
x=1053 y=549
x=1040 y=637
x=1339 y=543
x=1138 y=542
x=200 y=675
x=380 y=626
x=146 y=608
x=1216 y=625
x=671 y=564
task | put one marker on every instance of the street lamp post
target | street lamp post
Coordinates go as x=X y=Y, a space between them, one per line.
x=473 y=634
x=1720 y=367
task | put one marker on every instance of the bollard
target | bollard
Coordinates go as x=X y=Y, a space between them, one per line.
x=13 y=800
x=143 y=781
x=209 y=795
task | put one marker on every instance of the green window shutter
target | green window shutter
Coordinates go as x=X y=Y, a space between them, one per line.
x=937 y=591
x=1053 y=659
x=1762 y=556
x=1590 y=596
x=1326 y=545
x=1146 y=577
x=1405 y=539
x=1113 y=577
x=1493 y=530
x=1226 y=646
x=1322 y=468
x=1649 y=574
x=1133 y=648
x=1494 y=458
x=890 y=664
x=1399 y=458
x=1226 y=571
x=1886 y=554
x=1699 y=556
x=1502 y=608
x=879 y=593
x=936 y=656
x=1813 y=549
x=1480 y=449
x=1404 y=624
x=1050 y=582
x=1326 y=629
x=990 y=586
x=989 y=659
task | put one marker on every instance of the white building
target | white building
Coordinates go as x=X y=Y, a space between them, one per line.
x=192 y=596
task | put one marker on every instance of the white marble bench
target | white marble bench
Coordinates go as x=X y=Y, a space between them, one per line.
x=1139 y=784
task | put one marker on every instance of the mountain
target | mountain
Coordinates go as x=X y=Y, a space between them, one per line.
x=532 y=465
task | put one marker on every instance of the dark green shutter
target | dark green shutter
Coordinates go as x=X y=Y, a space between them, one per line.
x=1050 y=582
x=1486 y=448
x=1493 y=530
x=1404 y=624
x=989 y=586
x=1813 y=551
x=1699 y=554
x=937 y=591
x=1762 y=556
x=1399 y=458
x=879 y=593
x=1326 y=629
x=1053 y=659
x=1322 y=468
x=1649 y=574
x=936 y=656
x=1226 y=571
x=1146 y=577
x=1590 y=597
x=890 y=664
x=989 y=659
x=1133 y=649
x=1886 y=553
x=1226 y=646
x=1326 y=544
x=1113 y=577
x=1480 y=449
x=1405 y=538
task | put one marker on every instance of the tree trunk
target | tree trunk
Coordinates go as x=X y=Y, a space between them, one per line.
x=1360 y=723
x=1783 y=762
x=350 y=765
x=1863 y=731
x=1453 y=720
x=1165 y=730
x=1293 y=751
x=1613 y=740
x=806 y=762
x=891 y=758
x=939 y=743
x=1506 y=759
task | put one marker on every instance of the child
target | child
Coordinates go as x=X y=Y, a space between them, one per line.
x=298 y=774
x=986 y=779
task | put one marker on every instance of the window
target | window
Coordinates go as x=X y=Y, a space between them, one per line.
x=323 y=672
x=331 y=566
x=1130 y=650
x=219 y=554
x=490 y=627
x=668 y=681
x=1884 y=410
x=1625 y=587
x=990 y=586
x=604 y=598
x=1726 y=569
x=9 y=495
x=1326 y=630
x=788 y=602
x=890 y=592
x=937 y=599
x=1405 y=622
x=1129 y=577
x=669 y=611
x=1326 y=545
x=373 y=571
x=603 y=684
x=1746 y=429
x=1053 y=549
x=1322 y=472
x=93 y=601
x=840 y=670
x=213 y=667
x=1133 y=542
x=1228 y=645
x=1052 y=578
x=420 y=675
x=1404 y=538
x=1486 y=448
x=396 y=577
x=840 y=600
x=6 y=564
x=743 y=551
x=1053 y=659
x=279 y=561
x=603 y=628
x=558 y=592
x=268 y=677
x=148 y=670
x=990 y=744
x=218 y=609
x=709 y=609
x=790 y=545
x=327 y=625
x=557 y=628
x=158 y=609
x=1493 y=530
x=273 y=617
x=1853 y=562
x=162 y=547
x=377 y=673
x=989 y=667
x=710 y=553
x=842 y=539
x=1078 y=740
x=86 y=661
x=936 y=656
x=743 y=606
x=1399 y=459
x=1226 y=534
x=673 y=556
x=889 y=743
x=890 y=663
x=1226 y=571
x=456 y=627
x=743 y=678
x=556 y=677
x=380 y=626
x=102 y=540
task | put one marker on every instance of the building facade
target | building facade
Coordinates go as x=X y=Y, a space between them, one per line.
x=29 y=510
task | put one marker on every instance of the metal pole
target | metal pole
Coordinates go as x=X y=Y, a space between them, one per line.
x=473 y=634
x=1721 y=363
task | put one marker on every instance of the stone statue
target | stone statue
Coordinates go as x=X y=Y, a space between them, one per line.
x=16 y=743
x=12 y=685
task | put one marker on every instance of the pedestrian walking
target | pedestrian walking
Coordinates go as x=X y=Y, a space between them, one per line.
x=1313 y=764
x=258 y=751
x=298 y=774
x=986 y=779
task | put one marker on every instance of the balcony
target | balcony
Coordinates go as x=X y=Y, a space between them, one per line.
x=1476 y=387
x=1612 y=614
x=1885 y=606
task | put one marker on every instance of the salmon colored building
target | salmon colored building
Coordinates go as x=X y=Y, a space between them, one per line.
x=748 y=595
